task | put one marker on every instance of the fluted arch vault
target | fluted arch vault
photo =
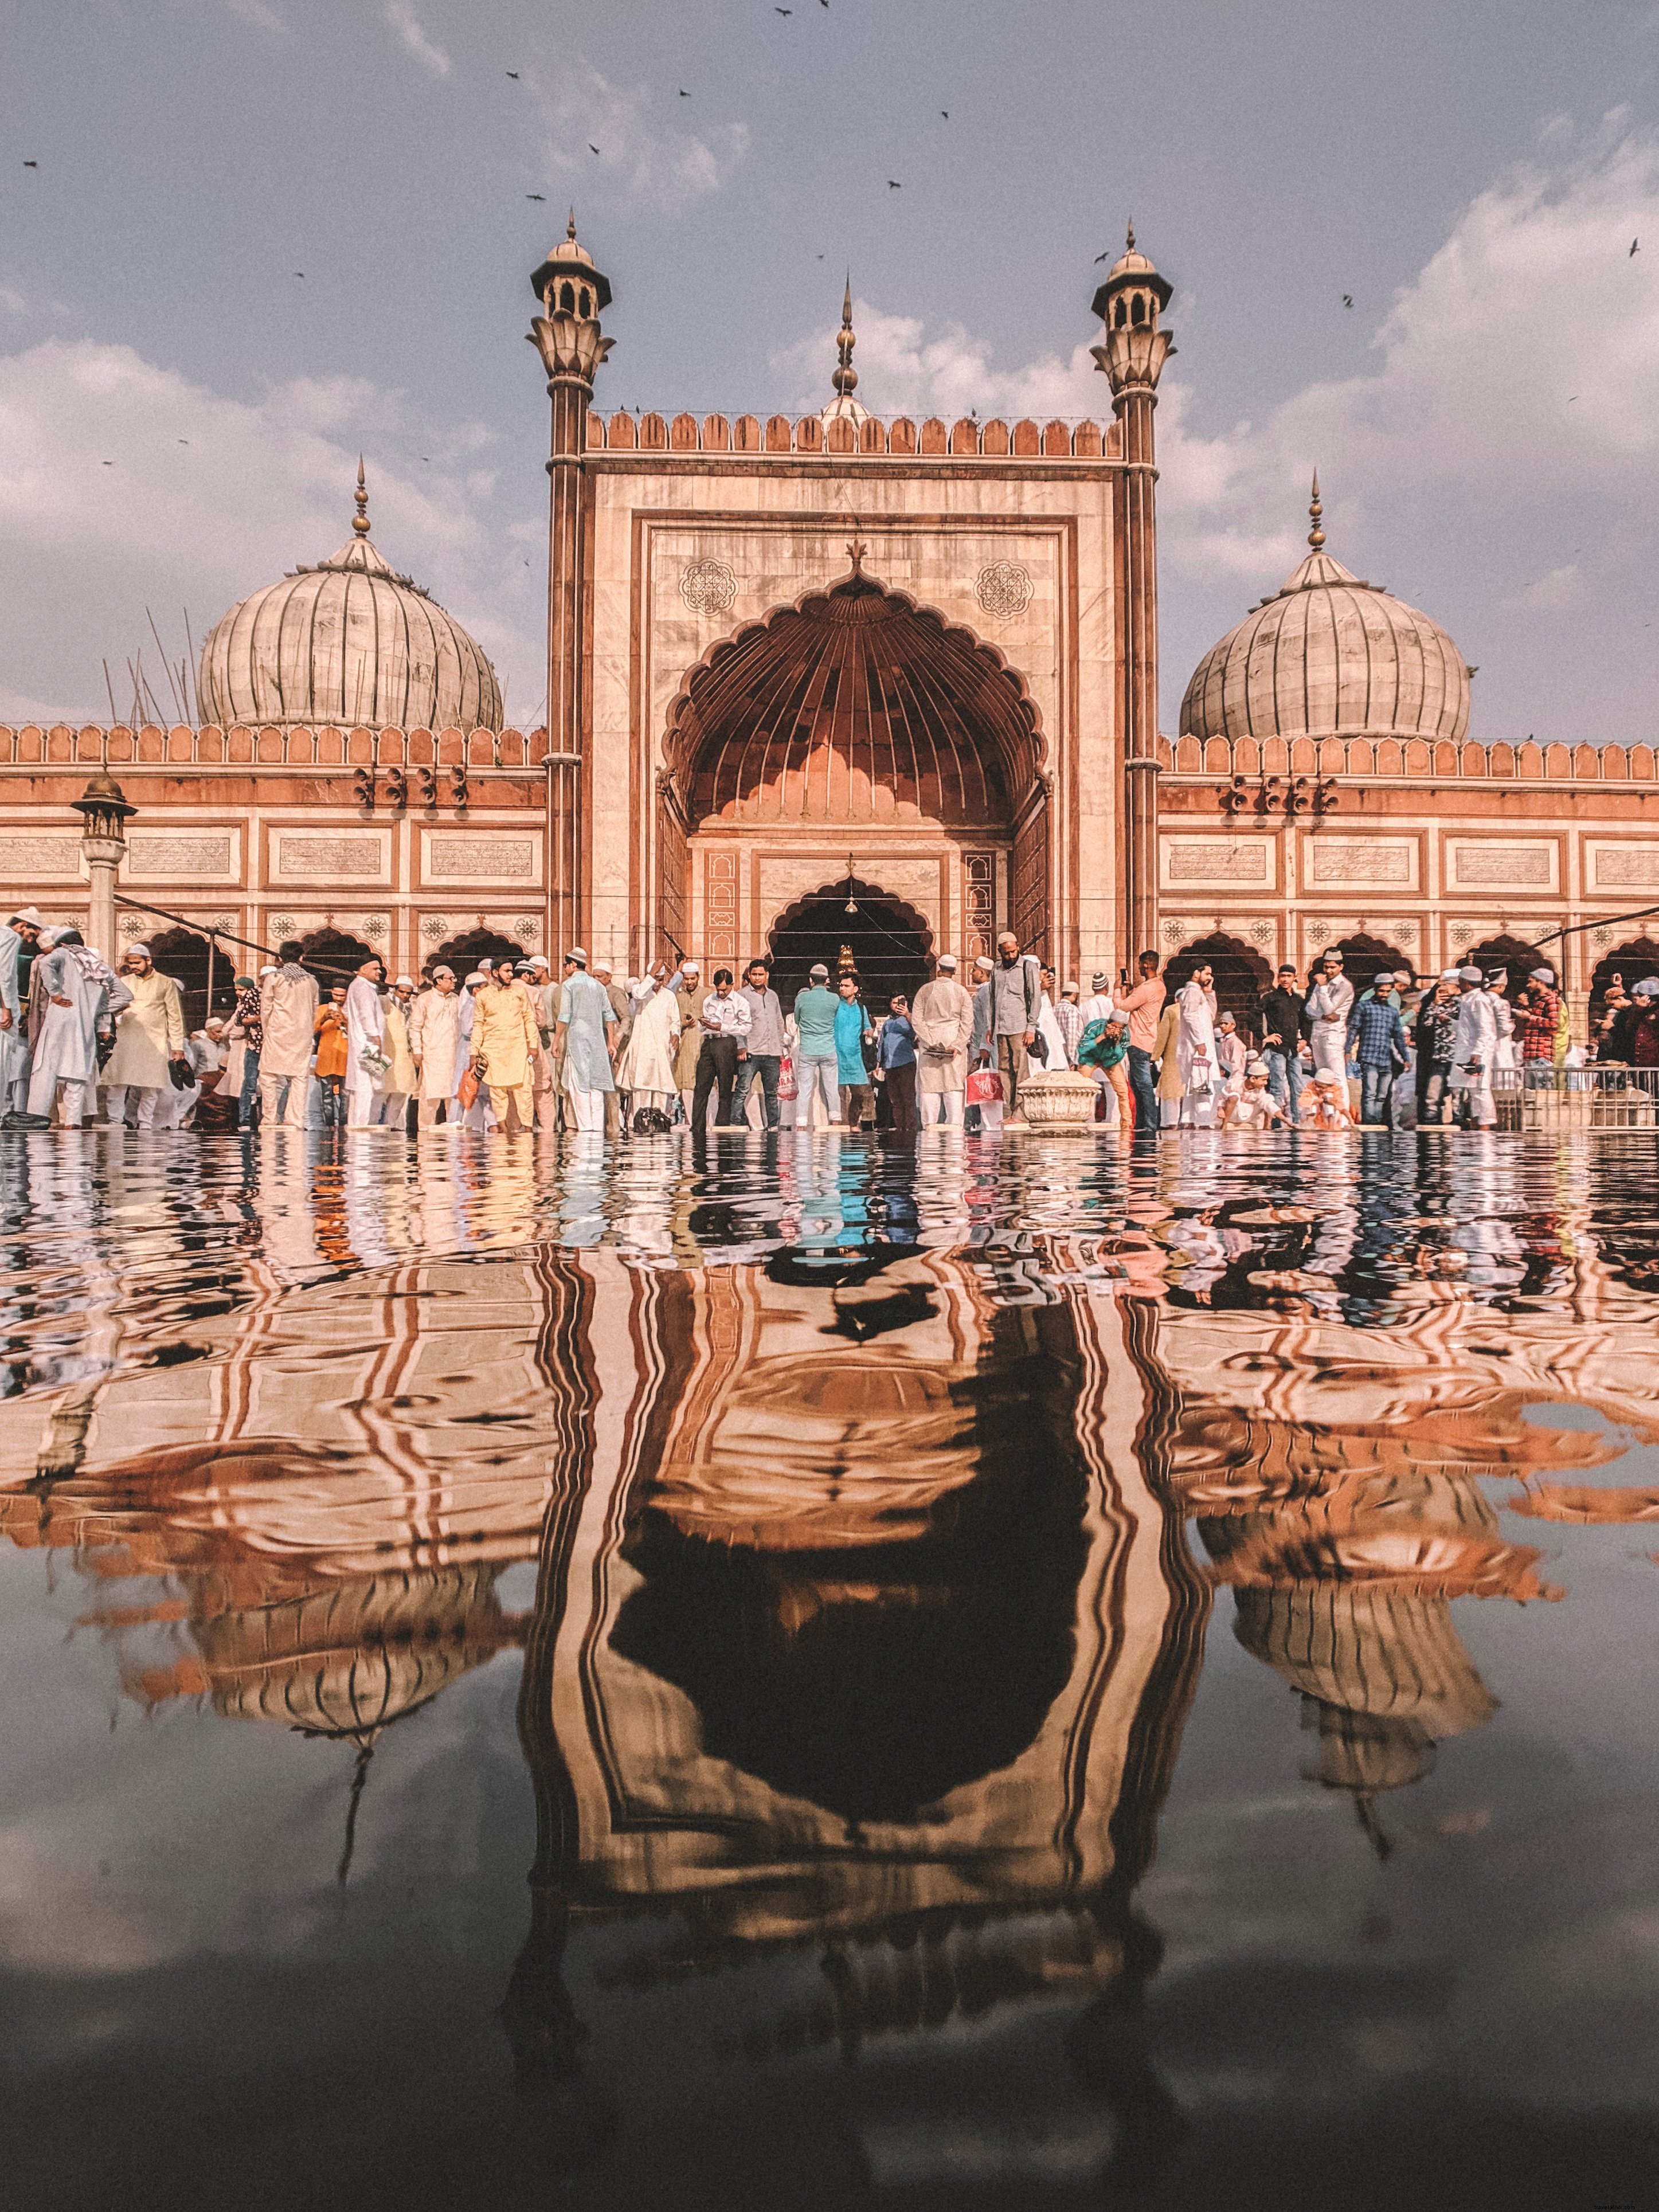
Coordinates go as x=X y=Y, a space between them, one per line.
x=855 y=705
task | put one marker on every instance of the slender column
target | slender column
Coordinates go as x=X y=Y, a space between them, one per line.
x=566 y=335
x=104 y=812
x=1131 y=356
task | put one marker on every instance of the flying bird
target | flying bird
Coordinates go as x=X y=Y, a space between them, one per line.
x=1347 y=299
x=183 y=441
x=35 y=165
x=514 y=74
x=535 y=196
x=894 y=185
x=1634 y=243
x=945 y=112
x=1099 y=258
x=109 y=464
x=684 y=95
x=783 y=11
x=591 y=148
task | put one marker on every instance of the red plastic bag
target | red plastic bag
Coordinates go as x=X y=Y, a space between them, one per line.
x=985 y=1087
x=787 y=1079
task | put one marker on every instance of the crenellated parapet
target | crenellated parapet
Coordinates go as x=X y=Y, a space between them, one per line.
x=31 y=746
x=1408 y=760
x=897 y=437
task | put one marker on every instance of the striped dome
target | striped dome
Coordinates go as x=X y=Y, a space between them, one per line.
x=1329 y=655
x=345 y=642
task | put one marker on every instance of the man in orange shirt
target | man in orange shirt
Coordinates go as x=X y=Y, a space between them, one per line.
x=1144 y=1006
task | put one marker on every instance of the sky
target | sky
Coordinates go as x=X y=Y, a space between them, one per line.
x=261 y=236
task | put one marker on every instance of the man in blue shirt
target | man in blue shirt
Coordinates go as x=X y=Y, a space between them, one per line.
x=815 y=1025
x=852 y=1033
x=897 y=1056
x=1376 y=1040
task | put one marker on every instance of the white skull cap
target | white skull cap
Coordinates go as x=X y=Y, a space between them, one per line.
x=947 y=959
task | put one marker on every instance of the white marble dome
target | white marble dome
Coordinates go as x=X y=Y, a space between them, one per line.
x=1329 y=655
x=345 y=642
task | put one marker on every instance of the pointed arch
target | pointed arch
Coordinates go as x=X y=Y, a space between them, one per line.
x=1241 y=975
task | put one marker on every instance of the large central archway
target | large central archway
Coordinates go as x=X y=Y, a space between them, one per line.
x=854 y=721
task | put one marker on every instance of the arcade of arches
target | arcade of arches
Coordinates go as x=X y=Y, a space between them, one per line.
x=855 y=738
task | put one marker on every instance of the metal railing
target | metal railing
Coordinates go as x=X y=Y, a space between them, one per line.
x=1538 y=1098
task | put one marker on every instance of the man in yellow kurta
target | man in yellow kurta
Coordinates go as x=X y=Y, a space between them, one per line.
x=504 y=1037
x=148 y=1036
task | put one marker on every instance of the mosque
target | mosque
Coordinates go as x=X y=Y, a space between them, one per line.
x=840 y=678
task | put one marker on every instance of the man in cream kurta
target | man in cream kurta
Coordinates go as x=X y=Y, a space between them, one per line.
x=392 y=1109
x=504 y=1037
x=148 y=1038
x=1195 y=1053
x=1329 y=1004
x=287 y=1021
x=434 y=1044
x=943 y=1018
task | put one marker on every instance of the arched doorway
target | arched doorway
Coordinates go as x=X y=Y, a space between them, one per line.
x=1515 y=954
x=1241 y=976
x=470 y=949
x=890 y=941
x=854 y=719
x=1631 y=961
x=332 y=957
x=1363 y=959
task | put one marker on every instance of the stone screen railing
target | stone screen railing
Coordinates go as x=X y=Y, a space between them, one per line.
x=1416 y=758
x=780 y=434
x=33 y=746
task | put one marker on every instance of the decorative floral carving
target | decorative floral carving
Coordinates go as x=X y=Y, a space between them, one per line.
x=375 y=928
x=1262 y=932
x=708 y=586
x=526 y=929
x=1004 y=587
x=283 y=927
x=436 y=928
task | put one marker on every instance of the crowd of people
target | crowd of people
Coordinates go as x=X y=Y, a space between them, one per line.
x=509 y=1047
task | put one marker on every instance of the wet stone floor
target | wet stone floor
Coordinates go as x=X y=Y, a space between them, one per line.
x=821 y=1676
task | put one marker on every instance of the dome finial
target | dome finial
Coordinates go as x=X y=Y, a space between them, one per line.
x=1129 y=242
x=846 y=378
x=1315 y=535
x=570 y=227
x=360 y=521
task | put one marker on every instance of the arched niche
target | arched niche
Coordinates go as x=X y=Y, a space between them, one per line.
x=1365 y=957
x=889 y=941
x=470 y=950
x=1630 y=961
x=1516 y=955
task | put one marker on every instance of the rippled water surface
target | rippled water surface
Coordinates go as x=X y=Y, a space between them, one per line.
x=824 y=1676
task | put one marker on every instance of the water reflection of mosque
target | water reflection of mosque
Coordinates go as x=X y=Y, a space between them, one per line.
x=865 y=1620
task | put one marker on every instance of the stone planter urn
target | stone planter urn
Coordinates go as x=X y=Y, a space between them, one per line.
x=1059 y=1098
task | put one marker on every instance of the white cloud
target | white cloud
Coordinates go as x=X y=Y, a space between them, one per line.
x=1558 y=589
x=401 y=16
x=664 y=167
x=207 y=498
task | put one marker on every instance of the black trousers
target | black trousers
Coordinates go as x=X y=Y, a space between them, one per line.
x=716 y=1063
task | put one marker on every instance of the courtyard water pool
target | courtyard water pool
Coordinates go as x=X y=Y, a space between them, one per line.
x=821 y=1675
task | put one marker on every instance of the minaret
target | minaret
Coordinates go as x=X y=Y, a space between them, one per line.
x=1131 y=353
x=566 y=335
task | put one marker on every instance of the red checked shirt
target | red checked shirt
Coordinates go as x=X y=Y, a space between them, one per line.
x=1537 y=1021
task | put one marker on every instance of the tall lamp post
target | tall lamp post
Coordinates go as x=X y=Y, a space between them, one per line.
x=105 y=811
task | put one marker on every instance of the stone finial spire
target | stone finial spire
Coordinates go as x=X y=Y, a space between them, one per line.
x=846 y=378
x=1315 y=535
x=360 y=521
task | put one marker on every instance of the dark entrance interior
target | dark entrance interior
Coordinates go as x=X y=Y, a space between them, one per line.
x=1634 y=961
x=1363 y=959
x=890 y=942
x=1242 y=977
x=1519 y=958
x=184 y=955
x=470 y=951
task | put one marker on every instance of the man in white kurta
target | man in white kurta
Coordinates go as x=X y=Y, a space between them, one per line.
x=148 y=1038
x=943 y=1019
x=288 y=1021
x=79 y=989
x=1195 y=1053
x=646 y=1069
x=434 y=1044
x=587 y=1023
x=1329 y=1004
x=365 y=1040
x=1474 y=1050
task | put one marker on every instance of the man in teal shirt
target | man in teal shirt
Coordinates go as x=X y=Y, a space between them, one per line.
x=853 y=1032
x=815 y=1022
